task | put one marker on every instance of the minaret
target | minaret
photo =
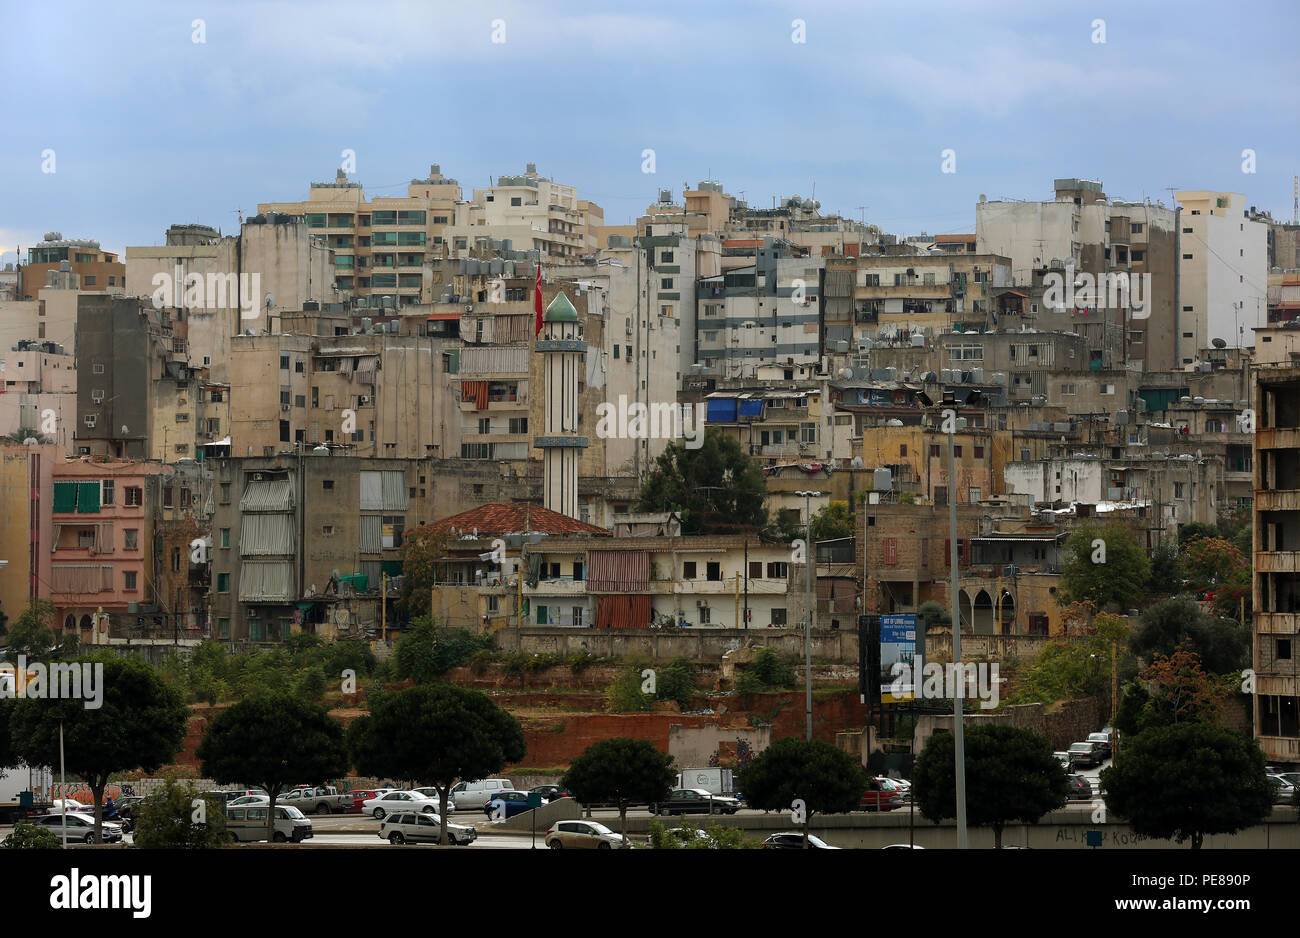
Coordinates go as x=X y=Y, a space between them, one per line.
x=561 y=446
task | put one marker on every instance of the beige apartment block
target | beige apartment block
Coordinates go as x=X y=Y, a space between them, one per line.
x=381 y=245
x=37 y=381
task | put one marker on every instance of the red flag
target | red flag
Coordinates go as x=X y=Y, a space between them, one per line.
x=537 y=299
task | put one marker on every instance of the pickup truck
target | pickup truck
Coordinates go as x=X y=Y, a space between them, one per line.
x=321 y=799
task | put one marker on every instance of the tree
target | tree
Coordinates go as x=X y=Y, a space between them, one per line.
x=1076 y=665
x=1193 y=531
x=1011 y=775
x=1222 y=644
x=620 y=771
x=437 y=734
x=274 y=740
x=32 y=634
x=832 y=522
x=1179 y=692
x=166 y=820
x=425 y=652
x=1166 y=569
x=1219 y=572
x=933 y=613
x=805 y=777
x=140 y=724
x=1104 y=566
x=765 y=673
x=421 y=549
x=1185 y=781
x=31 y=837
x=1237 y=525
x=707 y=837
x=717 y=489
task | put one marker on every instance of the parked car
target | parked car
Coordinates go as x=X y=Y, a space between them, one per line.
x=407 y=827
x=247 y=800
x=550 y=793
x=1086 y=753
x=80 y=827
x=470 y=796
x=1283 y=789
x=399 y=801
x=588 y=835
x=902 y=847
x=432 y=794
x=361 y=796
x=71 y=805
x=1080 y=788
x=1063 y=757
x=695 y=801
x=688 y=835
x=224 y=797
x=880 y=796
x=317 y=799
x=1103 y=739
x=506 y=804
x=247 y=824
x=791 y=840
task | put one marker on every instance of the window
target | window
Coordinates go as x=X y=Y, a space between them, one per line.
x=688 y=570
x=223 y=582
x=577 y=571
x=934 y=450
x=128 y=580
x=665 y=283
x=176 y=559
x=225 y=537
x=778 y=617
x=1178 y=490
x=956 y=451
x=778 y=570
x=284 y=361
x=225 y=493
x=665 y=257
x=106 y=492
x=132 y=539
x=705 y=615
x=223 y=628
x=979 y=452
x=902 y=450
x=1284 y=649
x=616 y=351
x=713 y=570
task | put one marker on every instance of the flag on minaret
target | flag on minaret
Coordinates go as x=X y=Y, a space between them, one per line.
x=537 y=298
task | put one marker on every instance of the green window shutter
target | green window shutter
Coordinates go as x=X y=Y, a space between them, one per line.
x=541 y=615
x=286 y=628
x=87 y=497
x=65 y=496
x=255 y=630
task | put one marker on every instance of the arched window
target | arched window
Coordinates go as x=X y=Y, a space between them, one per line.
x=69 y=623
x=87 y=622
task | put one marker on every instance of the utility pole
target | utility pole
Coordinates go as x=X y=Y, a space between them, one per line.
x=959 y=740
x=810 y=567
x=383 y=605
x=746 y=583
x=1114 y=706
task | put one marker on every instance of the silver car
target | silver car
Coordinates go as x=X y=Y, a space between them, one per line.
x=399 y=801
x=81 y=827
x=409 y=828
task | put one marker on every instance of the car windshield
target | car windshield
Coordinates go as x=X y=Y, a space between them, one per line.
x=289 y=811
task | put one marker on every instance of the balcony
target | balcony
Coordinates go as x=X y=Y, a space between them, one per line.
x=1277 y=500
x=1282 y=561
x=1277 y=438
x=558 y=586
x=1277 y=623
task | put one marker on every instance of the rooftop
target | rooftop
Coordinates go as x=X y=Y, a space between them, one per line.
x=514 y=517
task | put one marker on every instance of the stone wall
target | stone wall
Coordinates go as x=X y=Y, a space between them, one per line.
x=1061 y=723
x=703 y=645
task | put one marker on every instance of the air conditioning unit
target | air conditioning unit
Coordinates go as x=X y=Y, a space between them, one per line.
x=701 y=604
x=257 y=477
x=362 y=400
x=90 y=420
x=284 y=407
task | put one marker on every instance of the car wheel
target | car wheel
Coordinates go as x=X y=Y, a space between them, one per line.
x=88 y=839
x=279 y=838
x=322 y=809
x=714 y=809
x=378 y=814
x=396 y=838
x=604 y=845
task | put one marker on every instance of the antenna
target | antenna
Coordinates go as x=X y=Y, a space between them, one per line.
x=1171 y=190
x=1295 y=210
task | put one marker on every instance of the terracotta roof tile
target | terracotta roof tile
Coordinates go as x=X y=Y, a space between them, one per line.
x=505 y=517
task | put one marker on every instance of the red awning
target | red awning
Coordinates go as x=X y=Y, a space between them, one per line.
x=1013 y=293
x=436 y=317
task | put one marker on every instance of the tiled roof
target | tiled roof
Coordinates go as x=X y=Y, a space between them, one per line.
x=502 y=518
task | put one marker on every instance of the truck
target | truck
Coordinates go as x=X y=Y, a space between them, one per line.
x=317 y=799
x=24 y=792
x=713 y=780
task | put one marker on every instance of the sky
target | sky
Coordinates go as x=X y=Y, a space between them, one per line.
x=149 y=127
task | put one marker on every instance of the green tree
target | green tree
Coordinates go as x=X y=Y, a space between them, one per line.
x=766 y=672
x=437 y=734
x=32 y=633
x=676 y=681
x=1011 y=775
x=707 y=837
x=1193 y=531
x=1220 y=573
x=620 y=771
x=934 y=613
x=31 y=837
x=1166 y=569
x=1104 y=566
x=275 y=741
x=415 y=656
x=807 y=778
x=1237 y=525
x=166 y=820
x=421 y=549
x=624 y=694
x=1185 y=781
x=1222 y=644
x=139 y=724
x=717 y=489
x=1174 y=689
x=832 y=522
x=1076 y=665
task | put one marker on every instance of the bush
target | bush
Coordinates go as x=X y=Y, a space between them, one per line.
x=625 y=694
x=30 y=837
x=765 y=673
x=166 y=820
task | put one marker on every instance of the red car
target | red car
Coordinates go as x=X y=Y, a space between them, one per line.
x=880 y=795
x=361 y=796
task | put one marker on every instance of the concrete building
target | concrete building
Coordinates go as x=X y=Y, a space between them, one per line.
x=1222 y=272
x=97 y=270
x=1081 y=232
x=26 y=527
x=381 y=245
x=38 y=380
x=1277 y=574
x=219 y=285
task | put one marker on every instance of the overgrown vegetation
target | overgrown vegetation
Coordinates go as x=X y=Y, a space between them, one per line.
x=305 y=663
x=767 y=672
x=639 y=685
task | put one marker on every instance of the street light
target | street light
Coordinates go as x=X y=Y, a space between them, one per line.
x=811 y=557
x=958 y=734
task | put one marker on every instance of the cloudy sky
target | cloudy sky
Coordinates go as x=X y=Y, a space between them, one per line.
x=150 y=128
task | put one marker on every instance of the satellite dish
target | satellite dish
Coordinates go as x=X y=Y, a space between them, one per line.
x=270 y=300
x=30 y=441
x=857 y=462
x=846 y=373
x=1218 y=343
x=125 y=431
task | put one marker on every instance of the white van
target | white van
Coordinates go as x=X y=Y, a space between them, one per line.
x=247 y=824
x=472 y=796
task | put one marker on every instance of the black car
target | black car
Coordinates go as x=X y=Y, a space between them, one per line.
x=550 y=793
x=1080 y=787
x=696 y=801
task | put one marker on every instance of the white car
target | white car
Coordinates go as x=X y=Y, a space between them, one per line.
x=58 y=806
x=432 y=794
x=407 y=828
x=399 y=801
x=80 y=827
x=245 y=800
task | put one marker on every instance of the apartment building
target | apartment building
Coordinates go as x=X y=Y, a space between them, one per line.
x=37 y=380
x=222 y=286
x=97 y=270
x=51 y=317
x=381 y=245
x=302 y=542
x=1222 y=272
x=1276 y=601
x=1081 y=232
x=773 y=426
x=26 y=527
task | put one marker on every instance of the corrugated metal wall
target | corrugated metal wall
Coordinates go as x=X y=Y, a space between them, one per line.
x=623 y=612
x=495 y=360
x=618 y=571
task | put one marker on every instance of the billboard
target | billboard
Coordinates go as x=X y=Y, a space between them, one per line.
x=897 y=646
